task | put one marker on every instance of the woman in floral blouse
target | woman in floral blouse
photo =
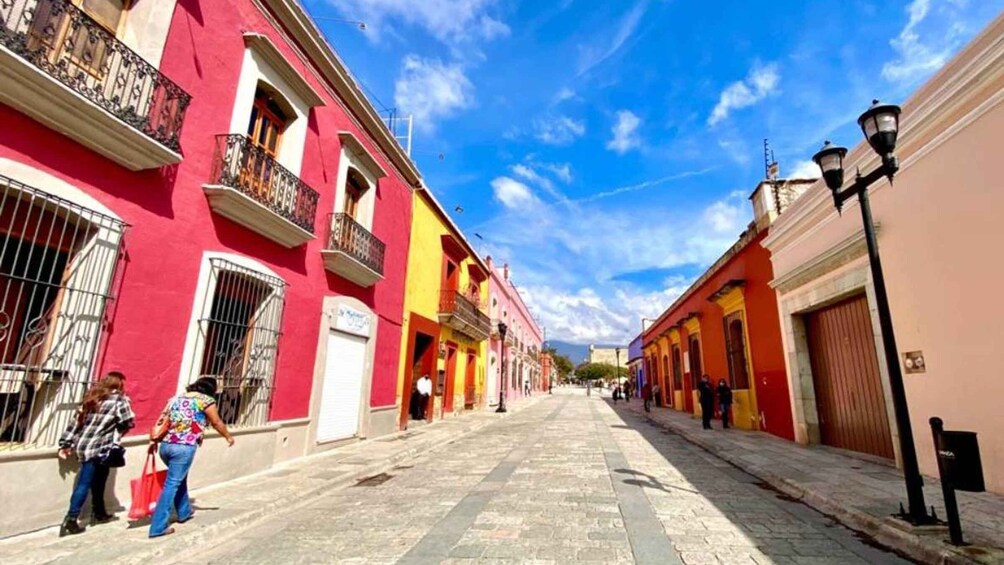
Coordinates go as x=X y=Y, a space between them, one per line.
x=187 y=417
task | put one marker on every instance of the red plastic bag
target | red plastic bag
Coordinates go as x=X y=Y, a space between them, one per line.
x=146 y=489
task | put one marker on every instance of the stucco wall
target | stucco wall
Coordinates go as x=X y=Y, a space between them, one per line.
x=171 y=223
x=939 y=229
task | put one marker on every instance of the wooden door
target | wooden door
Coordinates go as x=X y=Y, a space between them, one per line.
x=472 y=361
x=678 y=379
x=845 y=374
x=451 y=375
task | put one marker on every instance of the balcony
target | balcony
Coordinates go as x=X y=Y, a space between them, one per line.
x=464 y=316
x=251 y=188
x=352 y=252
x=62 y=69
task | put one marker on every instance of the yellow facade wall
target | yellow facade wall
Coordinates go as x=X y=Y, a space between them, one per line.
x=422 y=294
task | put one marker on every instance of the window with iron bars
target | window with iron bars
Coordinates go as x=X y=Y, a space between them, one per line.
x=57 y=264
x=238 y=340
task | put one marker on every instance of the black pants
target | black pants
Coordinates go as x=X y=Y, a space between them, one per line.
x=707 y=413
x=648 y=404
x=725 y=415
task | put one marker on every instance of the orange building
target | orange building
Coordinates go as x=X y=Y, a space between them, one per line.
x=726 y=326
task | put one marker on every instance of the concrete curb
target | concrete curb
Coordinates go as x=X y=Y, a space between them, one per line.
x=916 y=547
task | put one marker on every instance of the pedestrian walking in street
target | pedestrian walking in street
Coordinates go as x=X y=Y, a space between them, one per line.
x=94 y=436
x=724 y=401
x=655 y=394
x=627 y=391
x=646 y=396
x=179 y=433
x=706 y=395
x=616 y=393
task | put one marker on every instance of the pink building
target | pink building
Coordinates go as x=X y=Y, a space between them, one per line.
x=521 y=357
x=188 y=189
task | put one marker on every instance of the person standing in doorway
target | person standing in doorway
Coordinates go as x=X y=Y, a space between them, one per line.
x=424 y=388
x=724 y=401
x=706 y=396
x=646 y=396
x=104 y=417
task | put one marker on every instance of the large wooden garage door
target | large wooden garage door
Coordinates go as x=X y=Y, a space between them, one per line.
x=845 y=374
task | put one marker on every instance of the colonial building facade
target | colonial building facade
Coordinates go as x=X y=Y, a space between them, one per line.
x=191 y=189
x=725 y=326
x=446 y=329
x=515 y=364
x=938 y=225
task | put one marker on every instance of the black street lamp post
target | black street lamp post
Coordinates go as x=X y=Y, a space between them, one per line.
x=503 y=376
x=617 y=354
x=880 y=125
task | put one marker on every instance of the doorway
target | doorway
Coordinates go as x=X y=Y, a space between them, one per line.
x=341 y=393
x=845 y=375
x=451 y=375
x=421 y=355
x=469 y=390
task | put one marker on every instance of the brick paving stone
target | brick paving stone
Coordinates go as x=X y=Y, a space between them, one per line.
x=565 y=480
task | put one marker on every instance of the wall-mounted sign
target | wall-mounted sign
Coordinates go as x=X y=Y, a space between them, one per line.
x=350 y=320
x=913 y=361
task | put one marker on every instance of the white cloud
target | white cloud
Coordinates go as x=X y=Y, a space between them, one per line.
x=569 y=269
x=530 y=174
x=513 y=194
x=564 y=94
x=561 y=170
x=805 y=169
x=652 y=183
x=625 y=133
x=917 y=56
x=760 y=83
x=736 y=149
x=606 y=47
x=560 y=130
x=449 y=21
x=431 y=90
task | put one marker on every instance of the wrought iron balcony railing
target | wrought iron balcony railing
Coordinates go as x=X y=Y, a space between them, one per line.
x=62 y=41
x=241 y=165
x=348 y=236
x=463 y=315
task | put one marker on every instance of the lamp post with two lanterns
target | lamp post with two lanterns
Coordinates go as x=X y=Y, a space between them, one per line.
x=880 y=125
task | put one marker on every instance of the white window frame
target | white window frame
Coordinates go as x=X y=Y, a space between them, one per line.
x=201 y=309
x=353 y=154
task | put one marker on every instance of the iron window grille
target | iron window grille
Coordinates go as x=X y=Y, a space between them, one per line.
x=735 y=348
x=62 y=41
x=57 y=265
x=238 y=340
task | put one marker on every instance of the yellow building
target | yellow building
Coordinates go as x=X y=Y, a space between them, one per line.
x=445 y=328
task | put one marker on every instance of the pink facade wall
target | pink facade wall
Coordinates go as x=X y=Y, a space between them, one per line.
x=172 y=223
x=506 y=305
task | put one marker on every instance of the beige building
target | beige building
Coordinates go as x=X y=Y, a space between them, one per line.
x=608 y=355
x=938 y=226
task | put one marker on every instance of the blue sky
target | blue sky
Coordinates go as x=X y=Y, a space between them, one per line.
x=606 y=150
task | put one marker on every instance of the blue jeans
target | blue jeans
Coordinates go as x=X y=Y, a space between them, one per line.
x=92 y=478
x=174 y=497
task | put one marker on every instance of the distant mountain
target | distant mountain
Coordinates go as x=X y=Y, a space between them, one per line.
x=576 y=353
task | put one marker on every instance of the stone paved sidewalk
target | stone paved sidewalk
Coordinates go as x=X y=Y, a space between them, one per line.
x=859 y=493
x=226 y=508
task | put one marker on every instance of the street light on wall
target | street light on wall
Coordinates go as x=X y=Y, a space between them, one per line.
x=880 y=126
x=503 y=375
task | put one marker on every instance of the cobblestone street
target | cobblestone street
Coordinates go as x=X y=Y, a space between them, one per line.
x=566 y=480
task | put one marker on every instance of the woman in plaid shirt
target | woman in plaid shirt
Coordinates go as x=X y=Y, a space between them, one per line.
x=105 y=413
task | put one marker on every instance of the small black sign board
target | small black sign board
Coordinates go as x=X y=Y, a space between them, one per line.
x=960 y=468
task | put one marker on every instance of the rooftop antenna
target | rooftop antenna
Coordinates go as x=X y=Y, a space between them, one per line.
x=770 y=166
